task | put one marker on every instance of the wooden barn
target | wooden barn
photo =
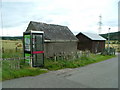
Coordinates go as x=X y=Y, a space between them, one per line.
x=89 y=41
x=57 y=39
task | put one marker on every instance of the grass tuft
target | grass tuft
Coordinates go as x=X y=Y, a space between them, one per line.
x=61 y=64
x=25 y=70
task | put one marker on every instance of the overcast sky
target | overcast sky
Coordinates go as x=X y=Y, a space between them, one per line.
x=78 y=15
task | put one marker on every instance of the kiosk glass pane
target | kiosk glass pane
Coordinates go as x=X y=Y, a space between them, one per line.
x=27 y=42
x=27 y=56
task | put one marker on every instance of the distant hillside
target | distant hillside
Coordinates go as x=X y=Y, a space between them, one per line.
x=11 y=38
x=113 y=35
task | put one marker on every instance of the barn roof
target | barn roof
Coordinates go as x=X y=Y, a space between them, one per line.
x=93 y=36
x=52 y=31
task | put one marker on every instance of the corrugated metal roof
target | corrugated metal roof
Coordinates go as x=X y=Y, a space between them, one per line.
x=93 y=36
x=53 y=32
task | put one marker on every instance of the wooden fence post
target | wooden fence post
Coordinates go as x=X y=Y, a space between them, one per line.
x=16 y=49
x=55 y=57
x=3 y=50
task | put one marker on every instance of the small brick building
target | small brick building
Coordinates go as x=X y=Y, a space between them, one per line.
x=89 y=41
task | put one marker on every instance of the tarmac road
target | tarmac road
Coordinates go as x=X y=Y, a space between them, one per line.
x=99 y=75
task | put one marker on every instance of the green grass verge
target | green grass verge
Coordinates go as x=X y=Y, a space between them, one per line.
x=61 y=64
x=25 y=70
x=10 y=74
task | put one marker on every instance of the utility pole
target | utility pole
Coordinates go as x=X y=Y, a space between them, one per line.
x=100 y=24
x=109 y=40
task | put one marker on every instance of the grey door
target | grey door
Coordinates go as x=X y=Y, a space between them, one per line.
x=38 y=53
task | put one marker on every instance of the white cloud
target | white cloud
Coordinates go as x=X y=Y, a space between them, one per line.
x=78 y=15
x=106 y=28
x=20 y=0
x=13 y=31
